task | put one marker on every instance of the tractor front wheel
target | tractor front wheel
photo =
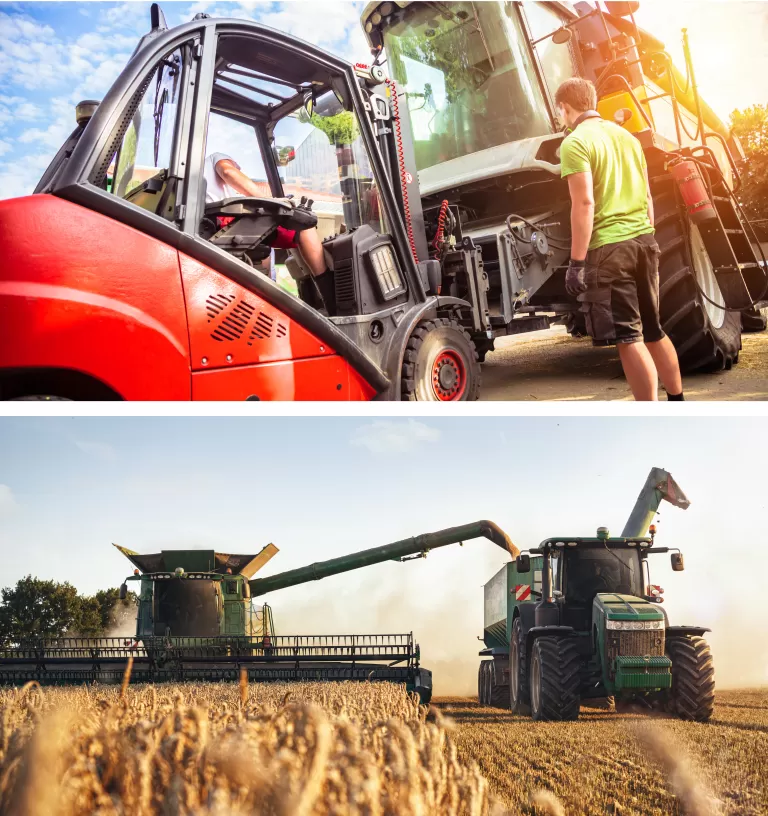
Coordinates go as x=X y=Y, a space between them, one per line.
x=554 y=679
x=481 y=683
x=518 y=676
x=440 y=363
x=692 y=696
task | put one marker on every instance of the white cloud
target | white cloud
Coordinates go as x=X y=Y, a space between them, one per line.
x=393 y=436
x=4 y=146
x=97 y=450
x=7 y=501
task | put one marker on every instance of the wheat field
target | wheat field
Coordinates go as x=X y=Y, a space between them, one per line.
x=307 y=749
x=188 y=748
x=618 y=763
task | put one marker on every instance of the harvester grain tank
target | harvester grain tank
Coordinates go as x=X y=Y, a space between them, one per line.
x=577 y=618
x=196 y=621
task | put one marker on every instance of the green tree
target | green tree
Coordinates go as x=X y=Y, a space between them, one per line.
x=36 y=608
x=340 y=129
x=751 y=126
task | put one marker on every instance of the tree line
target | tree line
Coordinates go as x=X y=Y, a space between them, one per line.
x=36 y=608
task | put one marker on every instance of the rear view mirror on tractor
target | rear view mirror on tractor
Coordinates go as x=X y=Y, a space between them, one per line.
x=678 y=565
x=523 y=563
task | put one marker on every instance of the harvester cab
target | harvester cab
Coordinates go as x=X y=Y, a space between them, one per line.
x=577 y=618
x=476 y=86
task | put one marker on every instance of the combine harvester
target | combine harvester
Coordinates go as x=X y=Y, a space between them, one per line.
x=196 y=621
x=577 y=618
x=119 y=280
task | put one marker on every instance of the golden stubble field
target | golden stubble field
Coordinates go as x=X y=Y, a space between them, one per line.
x=322 y=748
x=625 y=764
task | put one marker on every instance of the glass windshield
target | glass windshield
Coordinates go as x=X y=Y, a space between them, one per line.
x=323 y=158
x=468 y=78
x=589 y=571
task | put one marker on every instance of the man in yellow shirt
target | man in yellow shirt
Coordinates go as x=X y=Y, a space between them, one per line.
x=614 y=266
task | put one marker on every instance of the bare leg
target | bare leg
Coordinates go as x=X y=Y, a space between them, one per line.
x=639 y=370
x=665 y=359
x=312 y=250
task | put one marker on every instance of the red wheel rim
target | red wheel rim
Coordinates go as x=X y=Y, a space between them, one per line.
x=449 y=376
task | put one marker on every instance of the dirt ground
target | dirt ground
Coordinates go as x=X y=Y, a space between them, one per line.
x=550 y=365
x=629 y=764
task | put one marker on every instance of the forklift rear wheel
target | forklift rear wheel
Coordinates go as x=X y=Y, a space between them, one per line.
x=692 y=696
x=518 y=676
x=755 y=320
x=706 y=337
x=554 y=679
x=440 y=363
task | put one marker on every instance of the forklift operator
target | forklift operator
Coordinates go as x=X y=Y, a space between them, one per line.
x=225 y=179
x=614 y=266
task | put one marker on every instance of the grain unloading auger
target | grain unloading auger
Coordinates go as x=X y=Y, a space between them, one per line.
x=196 y=621
x=577 y=618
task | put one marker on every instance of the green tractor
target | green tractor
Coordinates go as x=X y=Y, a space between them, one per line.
x=577 y=618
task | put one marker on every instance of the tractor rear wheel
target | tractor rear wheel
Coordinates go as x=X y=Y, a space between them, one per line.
x=692 y=696
x=706 y=337
x=518 y=675
x=481 y=683
x=499 y=695
x=554 y=679
x=440 y=363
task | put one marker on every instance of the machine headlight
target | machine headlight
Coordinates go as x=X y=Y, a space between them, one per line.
x=617 y=624
x=385 y=269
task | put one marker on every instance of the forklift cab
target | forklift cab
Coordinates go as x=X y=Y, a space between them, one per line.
x=319 y=139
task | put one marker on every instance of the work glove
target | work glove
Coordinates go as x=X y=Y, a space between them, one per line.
x=576 y=278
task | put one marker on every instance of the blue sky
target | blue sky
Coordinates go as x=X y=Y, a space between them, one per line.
x=320 y=488
x=54 y=54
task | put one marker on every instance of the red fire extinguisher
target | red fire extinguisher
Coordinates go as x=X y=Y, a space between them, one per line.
x=694 y=191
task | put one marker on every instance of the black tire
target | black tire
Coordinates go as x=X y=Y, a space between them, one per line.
x=440 y=363
x=499 y=695
x=755 y=320
x=483 y=347
x=576 y=324
x=554 y=679
x=40 y=398
x=692 y=696
x=701 y=344
x=519 y=702
x=481 y=683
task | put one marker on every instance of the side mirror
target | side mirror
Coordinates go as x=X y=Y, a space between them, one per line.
x=284 y=155
x=562 y=36
x=523 y=563
x=622 y=9
x=123 y=591
x=677 y=562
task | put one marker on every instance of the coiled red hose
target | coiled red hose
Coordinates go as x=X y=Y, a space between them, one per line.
x=436 y=244
x=403 y=171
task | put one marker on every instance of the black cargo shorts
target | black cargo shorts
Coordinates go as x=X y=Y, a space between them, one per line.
x=621 y=304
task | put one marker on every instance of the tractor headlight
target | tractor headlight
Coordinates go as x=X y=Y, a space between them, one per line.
x=617 y=624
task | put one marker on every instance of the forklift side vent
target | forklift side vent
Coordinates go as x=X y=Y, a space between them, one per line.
x=215 y=305
x=262 y=328
x=235 y=323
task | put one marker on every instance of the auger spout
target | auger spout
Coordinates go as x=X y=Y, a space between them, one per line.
x=658 y=486
x=389 y=552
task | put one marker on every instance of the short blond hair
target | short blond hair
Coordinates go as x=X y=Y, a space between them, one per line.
x=579 y=93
